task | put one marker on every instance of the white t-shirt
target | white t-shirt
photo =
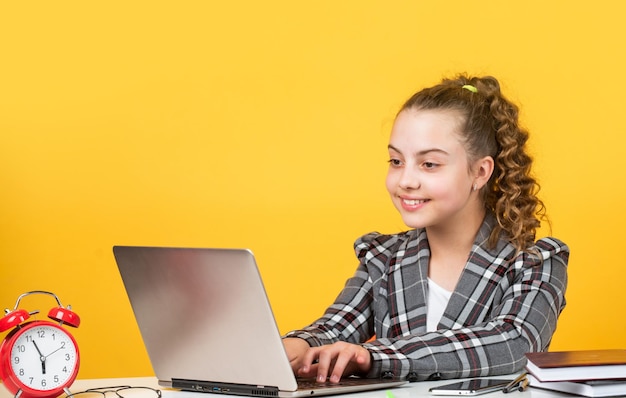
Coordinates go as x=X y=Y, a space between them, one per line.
x=438 y=298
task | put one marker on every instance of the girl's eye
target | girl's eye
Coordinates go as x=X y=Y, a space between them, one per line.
x=430 y=165
x=395 y=162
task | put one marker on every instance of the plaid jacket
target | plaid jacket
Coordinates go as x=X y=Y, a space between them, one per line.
x=504 y=305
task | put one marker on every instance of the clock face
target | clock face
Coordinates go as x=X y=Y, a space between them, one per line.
x=44 y=357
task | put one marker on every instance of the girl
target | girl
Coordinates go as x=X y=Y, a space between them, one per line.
x=467 y=291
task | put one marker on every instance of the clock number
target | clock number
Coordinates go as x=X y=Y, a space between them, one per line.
x=29 y=338
x=16 y=360
x=56 y=378
x=21 y=372
x=21 y=348
x=43 y=382
x=41 y=334
x=67 y=357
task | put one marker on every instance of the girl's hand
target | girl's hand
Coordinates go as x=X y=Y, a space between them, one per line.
x=334 y=361
x=295 y=348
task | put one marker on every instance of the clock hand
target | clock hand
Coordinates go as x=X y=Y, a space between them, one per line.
x=42 y=358
x=60 y=348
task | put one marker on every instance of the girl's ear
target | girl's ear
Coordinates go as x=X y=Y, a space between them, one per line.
x=483 y=169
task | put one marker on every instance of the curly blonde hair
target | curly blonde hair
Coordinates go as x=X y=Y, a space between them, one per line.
x=491 y=128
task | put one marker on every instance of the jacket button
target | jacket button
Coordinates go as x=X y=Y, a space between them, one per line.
x=388 y=375
x=434 y=376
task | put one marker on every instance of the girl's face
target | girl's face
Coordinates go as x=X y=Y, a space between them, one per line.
x=429 y=177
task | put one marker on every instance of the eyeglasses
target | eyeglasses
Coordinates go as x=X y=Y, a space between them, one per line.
x=119 y=391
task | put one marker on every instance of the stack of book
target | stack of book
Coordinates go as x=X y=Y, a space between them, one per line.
x=590 y=373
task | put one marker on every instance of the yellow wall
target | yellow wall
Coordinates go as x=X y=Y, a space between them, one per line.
x=264 y=125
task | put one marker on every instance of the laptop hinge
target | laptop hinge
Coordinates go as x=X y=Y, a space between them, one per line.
x=225 y=388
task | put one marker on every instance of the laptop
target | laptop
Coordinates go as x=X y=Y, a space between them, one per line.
x=207 y=324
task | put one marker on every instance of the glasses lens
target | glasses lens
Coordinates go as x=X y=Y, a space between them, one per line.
x=87 y=394
x=138 y=392
x=118 y=392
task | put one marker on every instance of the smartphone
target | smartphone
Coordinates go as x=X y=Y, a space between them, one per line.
x=470 y=387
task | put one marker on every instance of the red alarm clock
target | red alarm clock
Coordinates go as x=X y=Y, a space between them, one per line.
x=38 y=359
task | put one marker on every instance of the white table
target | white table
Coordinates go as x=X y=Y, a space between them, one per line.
x=410 y=390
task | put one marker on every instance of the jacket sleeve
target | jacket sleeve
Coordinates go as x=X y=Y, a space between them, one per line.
x=350 y=317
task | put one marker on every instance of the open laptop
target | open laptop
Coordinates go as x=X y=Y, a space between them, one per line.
x=207 y=324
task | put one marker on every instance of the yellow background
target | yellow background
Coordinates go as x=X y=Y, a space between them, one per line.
x=264 y=125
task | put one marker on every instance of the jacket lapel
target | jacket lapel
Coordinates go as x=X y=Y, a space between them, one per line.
x=408 y=282
x=472 y=299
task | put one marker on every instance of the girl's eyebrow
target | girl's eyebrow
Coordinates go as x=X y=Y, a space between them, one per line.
x=420 y=153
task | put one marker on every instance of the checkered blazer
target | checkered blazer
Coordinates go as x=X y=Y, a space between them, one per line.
x=504 y=305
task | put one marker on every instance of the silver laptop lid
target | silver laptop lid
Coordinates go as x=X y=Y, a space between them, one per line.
x=204 y=315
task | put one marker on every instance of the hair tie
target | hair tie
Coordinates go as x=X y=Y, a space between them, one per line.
x=471 y=88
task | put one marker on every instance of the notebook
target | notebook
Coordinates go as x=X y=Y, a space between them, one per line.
x=208 y=326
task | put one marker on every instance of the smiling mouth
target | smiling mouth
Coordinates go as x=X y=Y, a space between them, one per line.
x=413 y=202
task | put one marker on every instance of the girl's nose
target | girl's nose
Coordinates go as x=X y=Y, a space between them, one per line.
x=409 y=179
